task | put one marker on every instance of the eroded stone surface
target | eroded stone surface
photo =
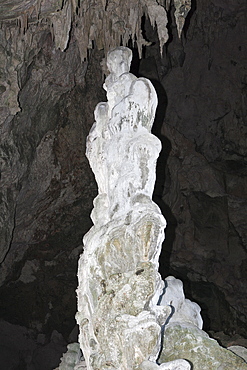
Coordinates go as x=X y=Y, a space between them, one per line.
x=183 y=310
x=119 y=283
x=240 y=351
x=44 y=174
x=171 y=365
x=183 y=335
x=71 y=358
x=195 y=346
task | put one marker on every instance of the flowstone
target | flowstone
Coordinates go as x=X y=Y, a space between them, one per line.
x=119 y=285
x=184 y=337
x=195 y=346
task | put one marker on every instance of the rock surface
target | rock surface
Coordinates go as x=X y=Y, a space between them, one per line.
x=119 y=285
x=43 y=178
x=202 y=189
x=22 y=348
x=47 y=189
x=195 y=346
x=240 y=351
x=183 y=335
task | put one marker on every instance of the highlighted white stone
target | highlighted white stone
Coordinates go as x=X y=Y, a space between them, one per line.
x=119 y=288
x=119 y=284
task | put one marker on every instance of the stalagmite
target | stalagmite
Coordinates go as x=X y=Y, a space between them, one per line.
x=119 y=285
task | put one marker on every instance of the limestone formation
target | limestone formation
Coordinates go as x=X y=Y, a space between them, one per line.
x=47 y=187
x=122 y=301
x=183 y=310
x=105 y=23
x=240 y=351
x=184 y=337
x=119 y=284
x=198 y=348
x=71 y=358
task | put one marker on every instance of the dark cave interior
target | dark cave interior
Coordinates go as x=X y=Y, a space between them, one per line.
x=48 y=188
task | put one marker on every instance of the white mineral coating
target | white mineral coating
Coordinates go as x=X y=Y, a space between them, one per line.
x=119 y=284
x=71 y=358
x=240 y=351
x=118 y=290
x=121 y=150
x=183 y=310
x=171 y=365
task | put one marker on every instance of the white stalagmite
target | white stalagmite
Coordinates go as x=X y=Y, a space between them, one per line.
x=119 y=285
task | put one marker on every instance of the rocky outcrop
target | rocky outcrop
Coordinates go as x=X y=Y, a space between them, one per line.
x=183 y=335
x=195 y=346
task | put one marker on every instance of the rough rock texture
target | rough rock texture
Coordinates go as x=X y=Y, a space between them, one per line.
x=183 y=310
x=119 y=285
x=47 y=188
x=122 y=302
x=170 y=365
x=103 y=23
x=46 y=102
x=183 y=335
x=195 y=346
x=202 y=189
x=71 y=358
x=240 y=351
x=21 y=348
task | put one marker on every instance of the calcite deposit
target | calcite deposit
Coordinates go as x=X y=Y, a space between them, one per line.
x=119 y=284
x=124 y=307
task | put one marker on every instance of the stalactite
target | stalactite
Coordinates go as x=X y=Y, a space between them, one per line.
x=37 y=8
x=61 y=22
x=182 y=8
x=158 y=17
x=119 y=21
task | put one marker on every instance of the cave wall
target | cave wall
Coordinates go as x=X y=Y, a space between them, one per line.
x=47 y=187
x=47 y=102
x=203 y=77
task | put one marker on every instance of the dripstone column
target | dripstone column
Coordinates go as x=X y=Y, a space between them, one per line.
x=119 y=285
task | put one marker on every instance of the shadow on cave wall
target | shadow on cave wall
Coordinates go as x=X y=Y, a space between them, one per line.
x=147 y=68
x=218 y=310
x=160 y=181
